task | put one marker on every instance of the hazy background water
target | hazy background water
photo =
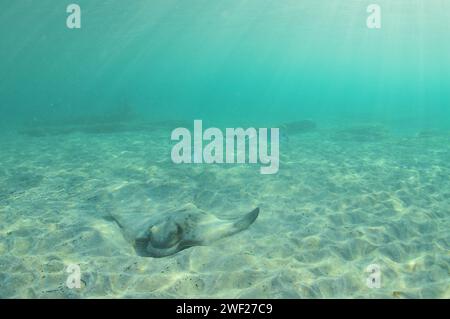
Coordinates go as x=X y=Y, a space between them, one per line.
x=227 y=61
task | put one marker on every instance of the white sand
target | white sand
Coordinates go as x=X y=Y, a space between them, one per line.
x=335 y=207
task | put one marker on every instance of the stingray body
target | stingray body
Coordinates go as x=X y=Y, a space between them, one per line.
x=174 y=231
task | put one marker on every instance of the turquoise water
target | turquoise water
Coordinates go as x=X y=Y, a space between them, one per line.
x=86 y=116
x=221 y=60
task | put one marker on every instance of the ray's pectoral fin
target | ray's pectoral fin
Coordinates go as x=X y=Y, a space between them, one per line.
x=245 y=221
x=172 y=235
x=225 y=228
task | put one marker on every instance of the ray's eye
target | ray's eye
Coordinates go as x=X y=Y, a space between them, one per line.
x=165 y=235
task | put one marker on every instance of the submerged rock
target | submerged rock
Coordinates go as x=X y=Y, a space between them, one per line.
x=362 y=133
x=429 y=133
x=298 y=127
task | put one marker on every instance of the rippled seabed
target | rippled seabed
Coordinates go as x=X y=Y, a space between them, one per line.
x=343 y=199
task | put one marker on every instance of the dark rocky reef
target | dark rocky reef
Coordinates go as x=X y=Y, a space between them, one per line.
x=117 y=120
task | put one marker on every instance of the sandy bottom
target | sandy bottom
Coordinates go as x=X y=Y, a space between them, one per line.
x=342 y=200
